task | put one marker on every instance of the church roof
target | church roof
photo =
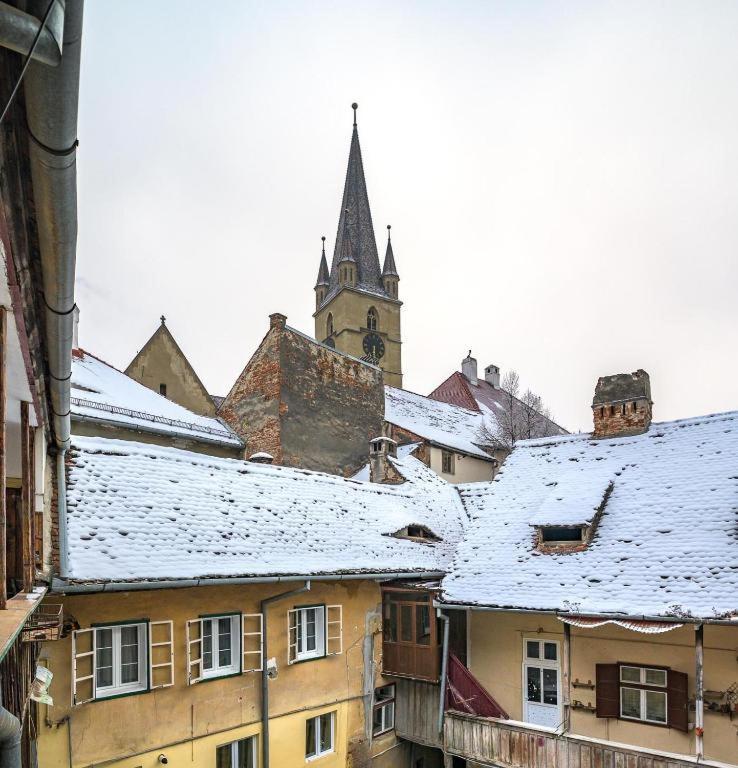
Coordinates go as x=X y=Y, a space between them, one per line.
x=389 y=269
x=355 y=234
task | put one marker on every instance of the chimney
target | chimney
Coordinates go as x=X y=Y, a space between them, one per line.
x=277 y=320
x=469 y=368
x=261 y=457
x=75 y=327
x=492 y=376
x=622 y=404
x=381 y=469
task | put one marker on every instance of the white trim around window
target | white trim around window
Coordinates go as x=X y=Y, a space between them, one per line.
x=383 y=711
x=121 y=665
x=320 y=736
x=221 y=645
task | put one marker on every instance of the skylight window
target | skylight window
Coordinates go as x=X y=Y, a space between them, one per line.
x=551 y=534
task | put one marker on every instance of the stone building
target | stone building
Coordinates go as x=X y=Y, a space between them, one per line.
x=357 y=309
x=161 y=366
x=305 y=404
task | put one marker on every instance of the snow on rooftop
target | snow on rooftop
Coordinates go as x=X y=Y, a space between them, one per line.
x=100 y=391
x=441 y=423
x=141 y=512
x=666 y=544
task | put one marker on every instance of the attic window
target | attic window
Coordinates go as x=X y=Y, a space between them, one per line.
x=417 y=532
x=554 y=535
x=163 y=390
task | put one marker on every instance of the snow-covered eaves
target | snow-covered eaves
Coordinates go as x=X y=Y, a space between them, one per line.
x=106 y=395
x=148 y=513
x=666 y=544
x=442 y=424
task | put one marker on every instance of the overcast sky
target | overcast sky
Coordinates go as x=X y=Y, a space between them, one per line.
x=561 y=180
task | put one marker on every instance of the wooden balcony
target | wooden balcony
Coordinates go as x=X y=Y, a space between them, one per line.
x=511 y=744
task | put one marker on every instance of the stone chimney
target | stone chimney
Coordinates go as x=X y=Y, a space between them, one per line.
x=622 y=404
x=277 y=320
x=492 y=375
x=469 y=368
x=381 y=469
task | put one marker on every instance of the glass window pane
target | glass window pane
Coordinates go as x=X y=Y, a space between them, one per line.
x=310 y=629
x=129 y=654
x=245 y=753
x=389 y=715
x=207 y=644
x=223 y=756
x=534 y=683
x=390 y=622
x=326 y=737
x=532 y=649
x=656 y=677
x=406 y=623
x=224 y=642
x=630 y=674
x=104 y=657
x=630 y=702
x=384 y=693
x=656 y=706
x=310 y=737
x=422 y=624
x=377 y=720
x=550 y=686
x=549 y=651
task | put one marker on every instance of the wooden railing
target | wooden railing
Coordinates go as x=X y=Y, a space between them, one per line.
x=519 y=745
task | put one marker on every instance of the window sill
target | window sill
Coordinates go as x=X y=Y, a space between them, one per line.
x=383 y=733
x=121 y=695
x=313 y=758
x=224 y=676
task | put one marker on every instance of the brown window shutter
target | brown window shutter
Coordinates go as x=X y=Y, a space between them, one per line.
x=678 y=699
x=608 y=690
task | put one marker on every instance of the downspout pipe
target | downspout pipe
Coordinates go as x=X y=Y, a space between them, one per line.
x=52 y=99
x=444 y=670
x=18 y=30
x=264 y=676
x=10 y=740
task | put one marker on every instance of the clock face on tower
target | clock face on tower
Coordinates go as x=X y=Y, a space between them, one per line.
x=374 y=346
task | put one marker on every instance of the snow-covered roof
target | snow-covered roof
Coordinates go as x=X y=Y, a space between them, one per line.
x=103 y=393
x=441 y=423
x=666 y=543
x=146 y=512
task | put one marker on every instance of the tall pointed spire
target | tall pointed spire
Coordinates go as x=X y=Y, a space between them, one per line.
x=323 y=276
x=389 y=269
x=355 y=235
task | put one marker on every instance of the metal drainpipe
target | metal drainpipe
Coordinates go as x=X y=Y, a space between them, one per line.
x=10 y=740
x=61 y=509
x=18 y=30
x=444 y=666
x=264 y=675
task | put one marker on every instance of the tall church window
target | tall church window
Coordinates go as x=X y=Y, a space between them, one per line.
x=371 y=319
x=329 y=325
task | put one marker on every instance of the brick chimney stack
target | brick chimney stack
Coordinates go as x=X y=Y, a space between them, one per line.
x=622 y=404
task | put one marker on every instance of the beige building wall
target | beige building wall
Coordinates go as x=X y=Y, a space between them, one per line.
x=467 y=469
x=187 y=722
x=496 y=642
x=161 y=361
x=349 y=310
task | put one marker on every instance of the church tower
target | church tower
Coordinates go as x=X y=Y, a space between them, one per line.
x=357 y=309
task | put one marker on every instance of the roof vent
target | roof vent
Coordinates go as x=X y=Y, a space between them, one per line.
x=261 y=457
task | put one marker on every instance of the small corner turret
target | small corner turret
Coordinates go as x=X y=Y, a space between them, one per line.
x=390 y=278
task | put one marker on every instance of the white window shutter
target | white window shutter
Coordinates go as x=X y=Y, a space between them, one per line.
x=83 y=666
x=194 y=651
x=252 y=629
x=161 y=654
x=292 y=619
x=334 y=630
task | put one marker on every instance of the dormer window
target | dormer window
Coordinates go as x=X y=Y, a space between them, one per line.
x=553 y=535
x=416 y=532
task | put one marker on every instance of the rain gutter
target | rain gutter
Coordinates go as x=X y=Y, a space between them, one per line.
x=66 y=587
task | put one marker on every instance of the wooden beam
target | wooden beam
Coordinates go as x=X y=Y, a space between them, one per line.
x=699 y=692
x=26 y=495
x=3 y=510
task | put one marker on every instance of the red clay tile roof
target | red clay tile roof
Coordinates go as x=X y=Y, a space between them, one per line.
x=455 y=390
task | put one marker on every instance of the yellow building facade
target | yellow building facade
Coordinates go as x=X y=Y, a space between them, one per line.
x=178 y=718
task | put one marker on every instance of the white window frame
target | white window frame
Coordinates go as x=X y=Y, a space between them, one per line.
x=235 y=748
x=384 y=705
x=632 y=685
x=117 y=688
x=234 y=668
x=318 y=754
x=328 y=635
x=542 y=663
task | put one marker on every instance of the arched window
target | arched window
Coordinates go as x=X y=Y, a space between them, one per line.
x=329 y=325
x=371 y=319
